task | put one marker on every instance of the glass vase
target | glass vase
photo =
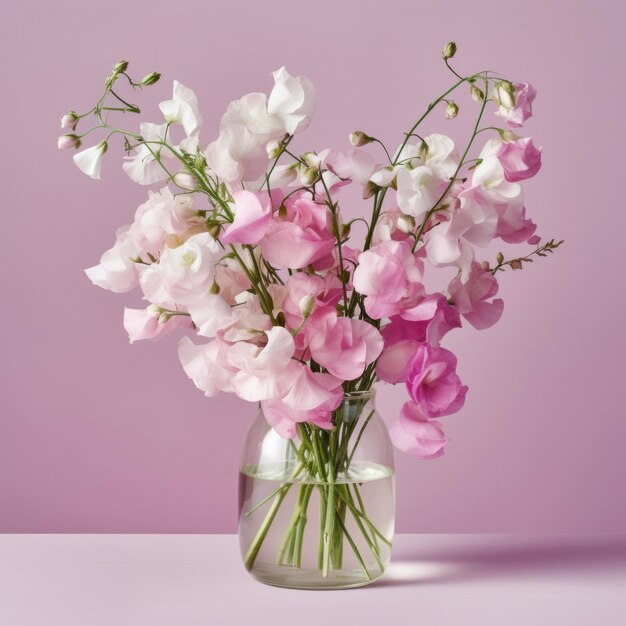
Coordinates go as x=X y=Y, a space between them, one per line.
x=317 y=511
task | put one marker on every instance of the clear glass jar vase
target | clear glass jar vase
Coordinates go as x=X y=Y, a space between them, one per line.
x=317 y=511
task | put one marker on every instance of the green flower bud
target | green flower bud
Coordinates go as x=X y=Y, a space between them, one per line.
x=449 y=50
x=120 y=67
x=150 y=79
x=214 y=289
x=477 y=94
x=452 y=110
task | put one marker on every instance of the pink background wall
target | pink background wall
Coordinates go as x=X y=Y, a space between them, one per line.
x=96 y=435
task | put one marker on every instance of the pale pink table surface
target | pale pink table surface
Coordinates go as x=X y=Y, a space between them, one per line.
x=188 y=580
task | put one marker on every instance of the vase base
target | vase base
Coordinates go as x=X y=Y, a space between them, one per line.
x=297 y=578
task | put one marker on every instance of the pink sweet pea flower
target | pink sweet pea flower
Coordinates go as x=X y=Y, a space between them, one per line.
x=520 y=159
x=321 y=392
x=342 y=345
x=433 y=383
x=253 y=212
x=299 y=238
x=518 y=109
x=404 y=336
x=323 y=291
x=415 y=434
x=264 y=371
x=470 y=297
x=389 y=275
x=206 y=365
x=149 y=324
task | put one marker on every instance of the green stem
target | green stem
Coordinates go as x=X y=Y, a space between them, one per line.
x=257 y=542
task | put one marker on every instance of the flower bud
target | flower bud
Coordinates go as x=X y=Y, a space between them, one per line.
x=500 y=258
x=307 y=306
x=452 y=110
x=406 y=223
x=69 y=120
x=273 y=149
x=67 y=142
x=505 y=94
x=477 y=94
x=185 y=180
x=358 y=139
x=516 y=264
x=449 y=50
x=214 y=288
x=150 y=79
x=120 y=67
x=312 y=160
x=307 y=175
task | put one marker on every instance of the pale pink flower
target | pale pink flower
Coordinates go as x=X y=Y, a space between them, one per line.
x=149 y=324
x=140 y=165
x=183 y=274
x=389 y=275
x=263 y=372
x=518 y=109
x=433 y=383
x=164 y=218
x=356 y=165
x=323 y=291
x=206 y=365
x=211 y=314
x=471 y=297
x=237 y=154
x=417 y=435
x=342 y=345
x=285 y=418
x=520 y=159
x=116 y=271
x=253 y=212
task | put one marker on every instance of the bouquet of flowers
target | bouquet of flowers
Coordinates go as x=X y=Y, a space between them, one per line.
x=243 y=244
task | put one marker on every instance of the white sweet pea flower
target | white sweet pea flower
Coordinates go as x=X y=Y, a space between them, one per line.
x=184 y=274
x=237 y=154
x=418 y=191
x=141 y=166
x=182 y=109
x=292 y=101
x=89 y=161
x=116 y=271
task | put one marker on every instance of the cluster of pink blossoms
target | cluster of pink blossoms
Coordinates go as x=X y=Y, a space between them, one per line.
x=244 y=245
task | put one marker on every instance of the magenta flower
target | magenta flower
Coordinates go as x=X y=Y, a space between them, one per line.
x=404 y=336
x=433 y=383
